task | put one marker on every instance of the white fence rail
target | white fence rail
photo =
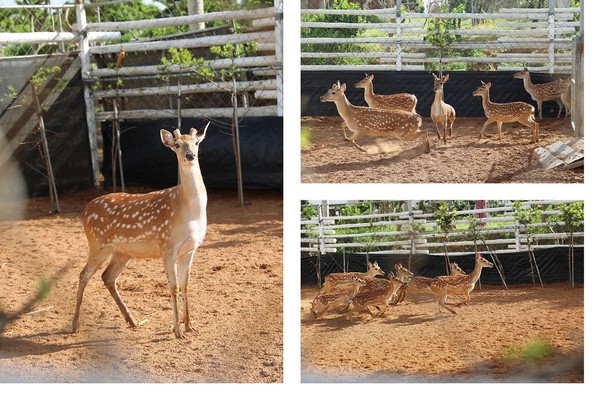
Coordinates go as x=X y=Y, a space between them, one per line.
x=417 y=232
x=541 y=39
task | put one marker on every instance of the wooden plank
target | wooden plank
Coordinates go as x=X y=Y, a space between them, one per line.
x=559 y=154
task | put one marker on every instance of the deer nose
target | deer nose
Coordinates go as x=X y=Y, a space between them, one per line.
x=189 y=156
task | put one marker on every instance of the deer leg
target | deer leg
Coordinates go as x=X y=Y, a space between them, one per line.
x=184 y=266
x=117 y=263
x=560 y=108
x=170 y=265
x=534 y=127
x=499 y=129
x=439 y=135
x=485 y=124
x=445 y=129
x=352 y=139
x=95 y=259
x=539 y=103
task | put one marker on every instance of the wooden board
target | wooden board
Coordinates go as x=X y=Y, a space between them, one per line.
x=561 y=154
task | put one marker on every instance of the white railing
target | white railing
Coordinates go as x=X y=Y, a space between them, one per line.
x=322 y=234
x=542 y=39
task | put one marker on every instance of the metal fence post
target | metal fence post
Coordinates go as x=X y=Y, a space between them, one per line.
x=279 y=55
x=84 y=56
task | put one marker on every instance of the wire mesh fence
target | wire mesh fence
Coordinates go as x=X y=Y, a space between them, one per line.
x=155 y=59
x=428 y=35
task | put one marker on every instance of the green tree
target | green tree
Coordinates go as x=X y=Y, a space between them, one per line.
x=446 y=222
x=572 y=215
x=525 y=216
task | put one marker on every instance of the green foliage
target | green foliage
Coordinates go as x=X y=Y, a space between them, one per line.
x=307 y=210
x=527 y=216
x=340 y=33
x=445 y=218
x=233 y=51
x=184 y=60
x=572 y=215
x=43 y=74
x=534 y=351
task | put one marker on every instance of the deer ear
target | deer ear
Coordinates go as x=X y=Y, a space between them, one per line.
x=167 y=138
x=371 y=77
x=343 y=87
x=446 y=77
x=434 y=76
x=201 y=136
x=489 y=85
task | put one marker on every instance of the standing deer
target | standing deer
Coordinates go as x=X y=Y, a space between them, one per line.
x=169 y=224
x=441 y=112
x=541 y=92
x=344 y=280
x=506 y=112
x=442 y=286
x=396 y=101
x=339 y=300
x=375 y=122
x=379 y=293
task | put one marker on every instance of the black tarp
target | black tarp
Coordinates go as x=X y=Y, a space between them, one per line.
x=458 y=91
x=68 y=144
x=552 y=263
x=147 y=162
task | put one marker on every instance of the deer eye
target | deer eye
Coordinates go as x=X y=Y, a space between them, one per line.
x=177 y=145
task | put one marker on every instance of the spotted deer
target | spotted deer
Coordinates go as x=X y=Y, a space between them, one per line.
x=442 y=286
x=506 y=112
x=338 y=300
x=375 y=122
x=378 y=293
x=344 y=280
x=168 y=224
x=396 y=101
x=442 y=113
x=541 y=92
x=420 y=284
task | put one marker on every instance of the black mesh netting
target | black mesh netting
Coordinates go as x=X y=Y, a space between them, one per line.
x=458 y=91
x=551 y=262
x=147 y=162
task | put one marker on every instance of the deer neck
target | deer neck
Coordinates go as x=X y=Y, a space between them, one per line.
x=369 y=91
x=439 y=96
x=474 y=276
x=344 y=108
x=527 y=82
x=485 y=97
x=191 y=190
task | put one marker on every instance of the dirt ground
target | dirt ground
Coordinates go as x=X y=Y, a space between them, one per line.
x=236 y=301
x=464 y=159
x=412 y=343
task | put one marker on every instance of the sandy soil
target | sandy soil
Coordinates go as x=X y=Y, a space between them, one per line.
x=464 y=159
x=236 y=296
x=412 y=343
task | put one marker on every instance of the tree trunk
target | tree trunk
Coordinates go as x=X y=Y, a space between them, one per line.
x=196 y=7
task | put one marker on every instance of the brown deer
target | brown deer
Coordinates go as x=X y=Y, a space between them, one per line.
x=541 y=92
x=441 y=112
x=344 y=280
x=506 y=112
x=339 y=300
x=442 y=286
x=169 y=224
x=374 y=121
x=379 y=293
x=396 y=101
x=420 y=284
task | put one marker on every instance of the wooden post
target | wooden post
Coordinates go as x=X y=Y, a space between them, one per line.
x=84 y=56
x=279 y=54
x=398 y=35
x=551 y=32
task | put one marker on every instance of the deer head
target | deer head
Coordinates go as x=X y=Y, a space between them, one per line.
x=483 y=89
x=438 y=84
x=335 y=93
x=186 y=145
x=365 y=82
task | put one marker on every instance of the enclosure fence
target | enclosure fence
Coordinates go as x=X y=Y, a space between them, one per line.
x=143 y=61
x=414 y=231
x=372 y=36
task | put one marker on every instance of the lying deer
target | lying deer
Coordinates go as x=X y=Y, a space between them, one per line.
x=420 y=284
x=441 y=112
x=396 y=101
x=345 y=280
x=506 y=112
x=339 y=300
x=375 y=122
x=168 y=224
x=379 y=292
x=541 y=92
x=463 y=285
